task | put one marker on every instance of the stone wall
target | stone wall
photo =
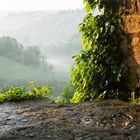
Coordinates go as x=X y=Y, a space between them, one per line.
x=130 y=33
x=131 y=42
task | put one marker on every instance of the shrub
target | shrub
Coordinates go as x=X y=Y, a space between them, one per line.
x=32 y=91
x=67 y=94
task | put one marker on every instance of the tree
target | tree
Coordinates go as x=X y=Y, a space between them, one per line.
x=32 y=56
x=9 y=47
x=100 y=68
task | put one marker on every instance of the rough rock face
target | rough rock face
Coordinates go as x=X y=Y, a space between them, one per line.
x=131 y=42
x=45 y=120
x=130 y=33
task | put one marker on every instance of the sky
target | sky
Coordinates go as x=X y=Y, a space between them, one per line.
x=33 y=5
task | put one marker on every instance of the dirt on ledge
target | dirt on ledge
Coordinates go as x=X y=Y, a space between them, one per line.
x=46 y=120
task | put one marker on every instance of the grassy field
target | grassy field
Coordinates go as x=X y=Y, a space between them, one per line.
x=12 y=70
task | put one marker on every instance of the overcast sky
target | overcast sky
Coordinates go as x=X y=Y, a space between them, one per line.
x=32 y=5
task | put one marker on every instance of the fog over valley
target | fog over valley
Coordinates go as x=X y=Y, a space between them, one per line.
x=39 y=46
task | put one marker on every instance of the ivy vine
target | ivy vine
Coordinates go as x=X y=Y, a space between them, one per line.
x=99 y=67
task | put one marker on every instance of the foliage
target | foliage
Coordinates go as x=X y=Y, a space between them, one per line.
x=134 y=99
x=137 y=138
x=32 y=91
x=99 y=67
x=67 y=94
x=30 y=56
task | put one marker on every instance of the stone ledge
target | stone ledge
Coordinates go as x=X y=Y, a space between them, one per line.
x=43 y=119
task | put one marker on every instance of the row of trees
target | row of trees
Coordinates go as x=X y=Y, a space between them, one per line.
x=31 y=56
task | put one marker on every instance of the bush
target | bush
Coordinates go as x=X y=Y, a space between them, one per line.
x=67 y=95
x=32 y=91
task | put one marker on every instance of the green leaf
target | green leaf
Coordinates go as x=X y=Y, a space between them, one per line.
x=87 y=7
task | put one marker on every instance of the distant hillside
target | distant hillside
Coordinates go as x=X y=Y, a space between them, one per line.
x=40 y=27
x=12 y=70
x=55 y=33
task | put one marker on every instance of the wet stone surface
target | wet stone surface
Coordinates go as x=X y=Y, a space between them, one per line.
x=45 y=120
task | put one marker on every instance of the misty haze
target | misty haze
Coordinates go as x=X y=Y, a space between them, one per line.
x=38 y=46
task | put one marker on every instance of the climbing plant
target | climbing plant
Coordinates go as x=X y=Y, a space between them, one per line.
x=100 y=66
